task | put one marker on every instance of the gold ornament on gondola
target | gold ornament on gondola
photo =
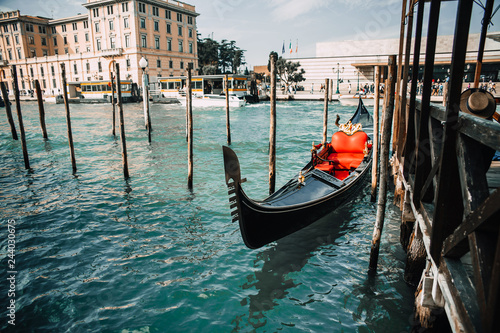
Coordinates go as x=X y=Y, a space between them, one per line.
x=350 y=128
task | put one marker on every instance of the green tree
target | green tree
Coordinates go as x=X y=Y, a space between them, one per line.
x=208 y=53
x=288 y=71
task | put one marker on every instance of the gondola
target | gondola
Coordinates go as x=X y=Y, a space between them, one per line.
x=332 y=177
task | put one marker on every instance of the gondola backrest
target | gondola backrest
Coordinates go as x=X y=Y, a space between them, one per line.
x=343 y=143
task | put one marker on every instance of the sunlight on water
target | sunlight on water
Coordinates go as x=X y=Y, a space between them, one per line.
x=95 y=252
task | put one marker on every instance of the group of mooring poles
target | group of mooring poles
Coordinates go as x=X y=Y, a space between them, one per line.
x=41 y=110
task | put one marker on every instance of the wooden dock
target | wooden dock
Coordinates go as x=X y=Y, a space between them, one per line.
x=446 y=184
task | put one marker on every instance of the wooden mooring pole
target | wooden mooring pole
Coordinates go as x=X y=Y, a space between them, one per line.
x=228 y=126
x=68 y=118
x=122 y=122
x=41 y=109
x=376 y=108
x=113 y=103
x=20 y=118
x=8 y=111
x=384 y=164
x=189 y=113
x=272 y=130
x=148 y=115
x=325 y=112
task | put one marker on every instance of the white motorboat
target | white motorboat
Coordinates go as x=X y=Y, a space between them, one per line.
x=214 y=100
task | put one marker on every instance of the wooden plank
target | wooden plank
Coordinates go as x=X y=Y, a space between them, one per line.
x=448 y=212
x=460 y=290
x=479 y=129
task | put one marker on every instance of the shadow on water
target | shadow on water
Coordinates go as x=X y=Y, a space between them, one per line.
x=289 y=255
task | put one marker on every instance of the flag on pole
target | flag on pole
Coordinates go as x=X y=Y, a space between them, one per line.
x=283 y=50
x=291 y=46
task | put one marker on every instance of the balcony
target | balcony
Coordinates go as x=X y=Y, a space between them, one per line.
x=3 y=63
x=112 y=52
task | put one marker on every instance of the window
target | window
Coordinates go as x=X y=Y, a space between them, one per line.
x=52 y=70
x=157 y=26
x=16 y=37
x=31 y=40
x=76 y=38
x=54 y=83
x=190 y=33
x=75 y=26
x=125 y=7
x=182 y=64
x=170 y=64
x=54 y=30
x=190 y=20
x=111 y=25
x=157 y=43
x=85 y=24
x=179 y=17
x=29 y=27
x=87 y=65
x=158 y=63
x=98 y=44
x=143 y=23
x=14 y=26
x=95 y=11
x=169 y=28
x=77 y=49
x=1 y=56
x=65 y=40
x=75 y=69
x=66 y=51
x=181 y=46
x=142 y=7
x=97 y=27
x=127 y=40
x=43 y=84
x=88 y=48
x=191 y=48
x=44 y=41
x=7 y=40
x=169 y=45
x=55 y=41
x=45 y=53
x=63 y=27
x=179 y=30
x=19 y=55
x=87 y=37
x=6 y=28
x=56 y=51
x=112 y=42
x=41 y=71
x=144 y=41
x=168 y=14
x=99 y=67
x=127 y=62
x=110 y=10
x=125 y=22
x=31 y=71
x=156 y=11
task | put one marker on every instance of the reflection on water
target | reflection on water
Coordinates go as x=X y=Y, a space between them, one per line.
x=97 y=252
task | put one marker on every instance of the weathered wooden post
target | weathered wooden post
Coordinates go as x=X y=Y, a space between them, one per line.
x=384 y=164
x=148 y=116
x=376 y=108
x=113 y=102
x=325 y=111
x=122 y=121
x=189 y=111
x=20 y=118
x=228 y=126
x=68 y=118
x=8 y=111
x=272 y=130
x=41 y=109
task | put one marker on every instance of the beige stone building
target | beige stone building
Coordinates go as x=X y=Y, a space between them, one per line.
x=162 y=31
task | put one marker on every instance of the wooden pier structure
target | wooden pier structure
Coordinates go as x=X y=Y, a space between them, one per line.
x=445 y=182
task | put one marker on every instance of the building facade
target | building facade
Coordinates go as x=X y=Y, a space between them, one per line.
x=351 y=63
x=123 y=31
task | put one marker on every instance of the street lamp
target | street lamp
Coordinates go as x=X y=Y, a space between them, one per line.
x=358 y=72
x=338 y=71
x=143 y=63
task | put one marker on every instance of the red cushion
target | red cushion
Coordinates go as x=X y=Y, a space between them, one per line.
x=343 y=143
x=346 y=160
x=325 y=166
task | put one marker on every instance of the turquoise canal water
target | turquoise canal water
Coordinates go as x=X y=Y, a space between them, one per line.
x=97 y=253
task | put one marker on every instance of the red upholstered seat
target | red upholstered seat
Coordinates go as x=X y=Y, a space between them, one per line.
x=346 y=153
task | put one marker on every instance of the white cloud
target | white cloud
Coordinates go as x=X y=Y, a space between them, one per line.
x=283 y=10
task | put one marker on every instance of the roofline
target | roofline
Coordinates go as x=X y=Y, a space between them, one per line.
x=160 y=3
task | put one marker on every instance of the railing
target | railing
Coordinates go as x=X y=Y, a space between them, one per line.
x=112 y=52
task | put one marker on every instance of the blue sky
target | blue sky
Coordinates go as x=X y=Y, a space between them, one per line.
x=261 y=26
